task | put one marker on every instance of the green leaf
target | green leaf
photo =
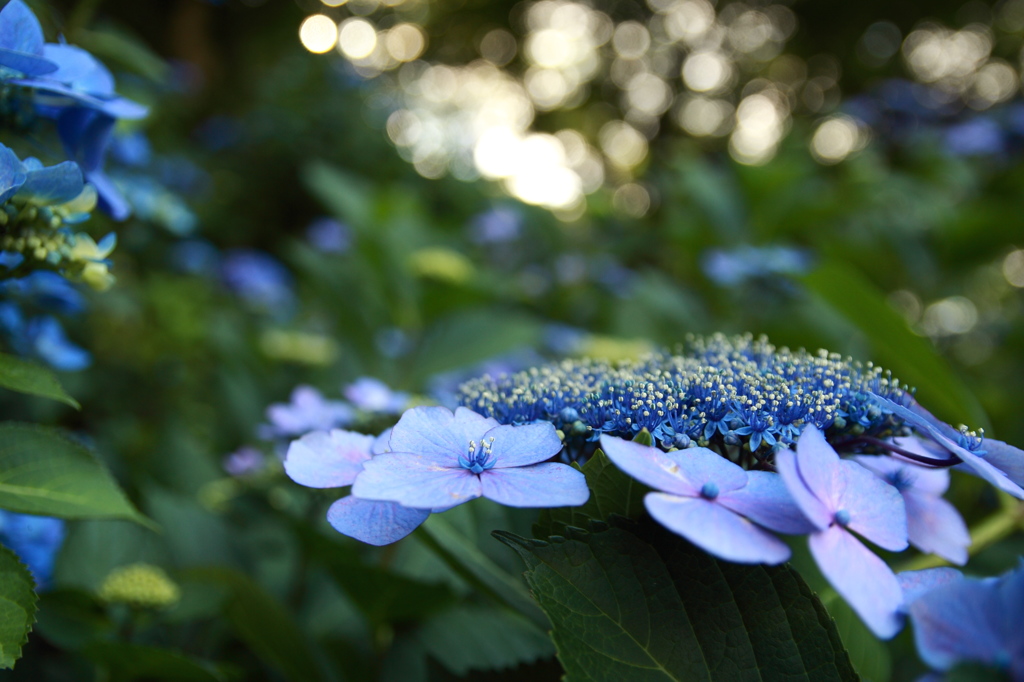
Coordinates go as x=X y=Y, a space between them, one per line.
x=869 y=656
x=262 y=623
x=639 y=603
x=910 y=358
x=611 y=492
x=27 y=377
x=17 y=607
x=476 y=638
x=42 y=472
x=126 y=662
x=347 y=197
x=465 y=558
x=124 y=49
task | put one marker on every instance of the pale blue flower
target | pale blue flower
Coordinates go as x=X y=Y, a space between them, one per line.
x=373 y=395
x=712 y=502
x=439 y=460
x=307 y=411
x=839 y=497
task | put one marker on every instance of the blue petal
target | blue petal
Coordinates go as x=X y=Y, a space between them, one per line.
x=876 y=508
x=812 y=508
x=892 y=468
x=21 y=41
x=517 y=446
x=51 y=345
x=960 y=621
x=323 y=459
x=415 y=481
x=650 y=466
x=766 y=501
x=11 y=259
x=936 y=527
x=375 y=523
x=861 y=578
x=12 y=173
x=819 y=468
x=438 y=434
x=541 y=485
x=716 y=530
x=1006 y=458
x=915 y=584
x=53 y=184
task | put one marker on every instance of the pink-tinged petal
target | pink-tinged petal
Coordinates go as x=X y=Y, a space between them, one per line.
x=936 y=527
x=917 y=583
x=903 y=474
x=517 y=446
x=813 y=509
x=766 y=501
x=324 y=459
x=375 y=523
x=437 y=434
x=541 y=485
x=716 y=530
x=876 y=508
x=958 y=622
x=818 y=466
x=415 y=481
x=650 y=466
x=1006 y=458
x=861 y=578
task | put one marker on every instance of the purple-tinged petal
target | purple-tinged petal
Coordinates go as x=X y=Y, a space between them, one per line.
x=936 y=527
x=437 y=434
x=917 y=583
x=903 y=474
x=415 y=481
x=861 y=578
x=1006 y=458
x=958 y=622
x=818 y=466
x=542 y=485
x=650 y=466
x=375 y=523
x=517 y=446
x=983 y=469
x=324 y=459
x=716 y=530
x=876 y=508
x=813 y=509
x=766 y=501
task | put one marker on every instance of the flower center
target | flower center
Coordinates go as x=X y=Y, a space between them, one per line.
x=709 y=491
x=478 y=459
x=842 y=517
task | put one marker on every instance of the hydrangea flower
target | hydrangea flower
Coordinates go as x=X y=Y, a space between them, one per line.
x=35 y=539
x=439 y=460
x=373 y=395
x=334 y=459
x=933 y=524
x=970 y=620
x=712 y=502
x=307 y=411
x=329 y=235
x=1000 y=464
x=42 y=338
x=842 y=497
x=244 y=461
x=21 y=41
x=258 y=279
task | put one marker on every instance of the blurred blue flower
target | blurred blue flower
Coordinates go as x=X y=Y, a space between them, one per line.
x=41 y=338
x=45 y=290
x=838 y=497
x=35 y=539
x=258 y=279
x=933 y=524
x=439 y=460
x=244 y=461
x=711 y=502
x=132 y=149
x=732 y=267
x=444 y=387
x=499 y=225
x=970 y=620
x=329 y=235
x=11 y=259
x=21 y=41
x=307 y=411
x=978 y=136
x=335 y=459
x=373 y=395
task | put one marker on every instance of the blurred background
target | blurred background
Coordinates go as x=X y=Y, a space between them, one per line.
x=421 y=191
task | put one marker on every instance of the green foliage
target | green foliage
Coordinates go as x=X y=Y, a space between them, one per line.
x=28 y=377
x=643 y=604
x=125 y=661
x=42 y=472
x=474 y=638
x=17 y=607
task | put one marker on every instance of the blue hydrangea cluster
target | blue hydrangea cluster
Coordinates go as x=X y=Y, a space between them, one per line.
x=35 y=539
x=737 y=394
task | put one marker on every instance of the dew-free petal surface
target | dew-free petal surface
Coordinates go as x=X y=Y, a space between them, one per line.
x=323 y=459
x=876 y=508
x=517 y=446
x=813 y=509
x=438 y=434
x=766 y=501
x=415 y=481
x=375 y=523
x=935 y=526
x=542 y=485
x=958 y=622
x=817 y=463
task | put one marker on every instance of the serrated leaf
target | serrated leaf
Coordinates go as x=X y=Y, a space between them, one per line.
x=476 y=638
x=911 y=358
x=611 y=492
x=17 y=607
x=27 y=377
x=43 y=472
x=640 y=603
x=125 y=661
x=262 y=623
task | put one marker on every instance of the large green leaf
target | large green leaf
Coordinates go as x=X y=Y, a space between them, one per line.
x=124 y=662
x=638 y=603
x=262 y=623
x=17 y=607
x=476 y=638
x=27 y=377
x=42 y=472
x=911 y=358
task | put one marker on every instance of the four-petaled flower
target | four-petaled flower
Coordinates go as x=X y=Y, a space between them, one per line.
x=839 y=497
x=712 y=502
x=333 y=459
x=439 y=460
